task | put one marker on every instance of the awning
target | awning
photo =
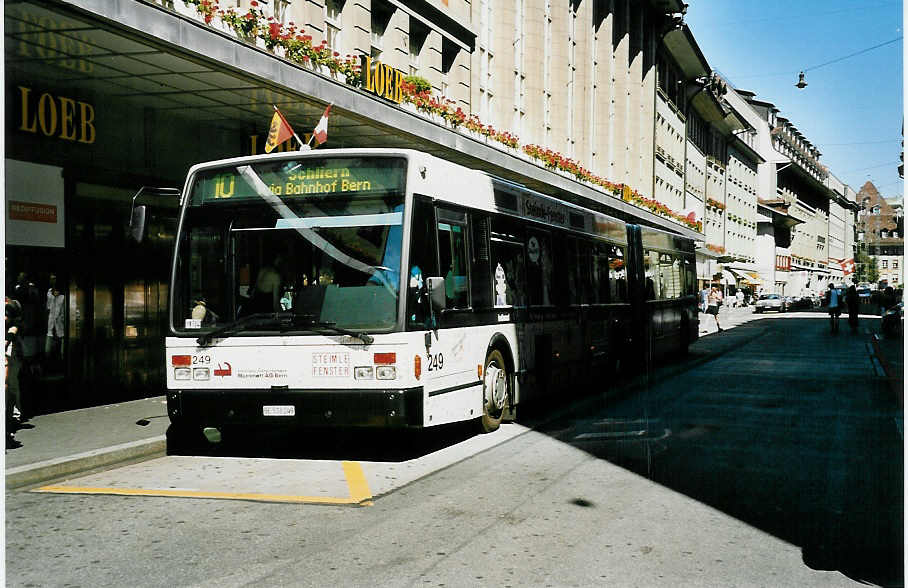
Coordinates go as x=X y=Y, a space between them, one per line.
x=735 y=275
x=753 y=279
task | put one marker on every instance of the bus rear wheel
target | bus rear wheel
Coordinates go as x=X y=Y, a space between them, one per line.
x=495 y=391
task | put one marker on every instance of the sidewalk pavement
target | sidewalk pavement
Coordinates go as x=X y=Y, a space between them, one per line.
x=66 y=443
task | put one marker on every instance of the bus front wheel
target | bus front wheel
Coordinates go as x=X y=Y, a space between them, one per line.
x=495 y=392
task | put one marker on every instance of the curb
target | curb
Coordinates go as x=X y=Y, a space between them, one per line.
x=42 y=471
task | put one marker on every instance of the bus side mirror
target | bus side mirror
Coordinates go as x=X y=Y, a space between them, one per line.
x=436 y=291
x=137 y=214
x=137 y=223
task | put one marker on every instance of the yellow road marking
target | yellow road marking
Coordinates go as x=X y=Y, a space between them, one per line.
x=356 y=482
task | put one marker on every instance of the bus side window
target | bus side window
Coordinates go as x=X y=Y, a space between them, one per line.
x=507 y=262
x=575 y=281
x=617 y=274
x=561 y=270
x=452 y=255
x=423 y=259
x=651 y=271
x=599 y=260
x=540 y=268
x=481 y=276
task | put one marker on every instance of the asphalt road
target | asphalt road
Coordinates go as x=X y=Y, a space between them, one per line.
x=765 y=466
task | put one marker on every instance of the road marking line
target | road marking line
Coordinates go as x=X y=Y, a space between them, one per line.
x=356 y=481
x=353 y=472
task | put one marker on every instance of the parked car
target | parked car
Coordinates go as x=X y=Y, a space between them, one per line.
x=800 y=303
x=770 y=302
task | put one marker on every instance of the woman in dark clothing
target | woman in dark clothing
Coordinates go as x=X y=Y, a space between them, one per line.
x=852 y=301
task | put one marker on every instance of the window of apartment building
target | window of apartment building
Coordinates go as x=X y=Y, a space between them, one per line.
x=884 y=264
x=895 y=264
x=277 y=9
x=519 y=75
x=449 y=51
x=547 y=70
x=619 y=24
x=418 y=35
x=697 y=132
x=333 y=23
x=670 y=80
x=573 y=5
x=486 y=37
x=381 y=16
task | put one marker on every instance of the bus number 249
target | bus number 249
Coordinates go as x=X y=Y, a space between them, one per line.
x=436 y=361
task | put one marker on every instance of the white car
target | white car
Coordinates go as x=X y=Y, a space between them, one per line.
x=770 y=302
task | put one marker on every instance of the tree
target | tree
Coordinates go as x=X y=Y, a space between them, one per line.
x=866 y=267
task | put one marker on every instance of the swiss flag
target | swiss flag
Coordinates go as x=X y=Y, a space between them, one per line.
x=847 y=266
x=321 y=129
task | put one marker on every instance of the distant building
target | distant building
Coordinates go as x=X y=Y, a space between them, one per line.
x=880 y=229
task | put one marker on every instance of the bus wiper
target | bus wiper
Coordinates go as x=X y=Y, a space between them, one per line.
x=308 y=321
x=259 y=317
x=285 y=320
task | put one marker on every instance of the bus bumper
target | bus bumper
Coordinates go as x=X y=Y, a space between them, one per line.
x=397 y=407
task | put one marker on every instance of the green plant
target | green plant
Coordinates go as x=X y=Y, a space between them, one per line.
x=418 y=84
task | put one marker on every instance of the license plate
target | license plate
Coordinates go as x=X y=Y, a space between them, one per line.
x=279 y=410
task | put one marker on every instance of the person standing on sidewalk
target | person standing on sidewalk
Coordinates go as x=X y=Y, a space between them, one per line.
x=12 y=363
x=713 y=301
x=53 y=342
x=851 y=302
x=834 y=307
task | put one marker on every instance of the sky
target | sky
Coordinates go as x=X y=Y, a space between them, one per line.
x=851 y=109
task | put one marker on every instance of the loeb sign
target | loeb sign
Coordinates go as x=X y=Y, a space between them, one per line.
x=382 y=80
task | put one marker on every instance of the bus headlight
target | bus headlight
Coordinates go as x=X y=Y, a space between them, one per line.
x=386 y=372
x=362 y=372
x=182 y=373
x=201 y=373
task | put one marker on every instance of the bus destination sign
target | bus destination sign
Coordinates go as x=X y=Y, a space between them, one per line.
x=301 y=178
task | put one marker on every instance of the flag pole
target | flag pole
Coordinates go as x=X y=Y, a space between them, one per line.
x=295 y=136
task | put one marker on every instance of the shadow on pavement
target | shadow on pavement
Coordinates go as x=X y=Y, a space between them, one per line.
x=789 y=434
x=335 y=444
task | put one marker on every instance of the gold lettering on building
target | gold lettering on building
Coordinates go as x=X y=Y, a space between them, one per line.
x=382 y=80
x=55 y=116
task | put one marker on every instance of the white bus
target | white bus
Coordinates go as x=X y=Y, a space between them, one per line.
x=391 y=288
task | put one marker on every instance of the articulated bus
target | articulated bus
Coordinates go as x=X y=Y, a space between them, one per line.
x=391 y=288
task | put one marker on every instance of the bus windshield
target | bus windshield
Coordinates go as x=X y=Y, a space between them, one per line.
x=314 y=237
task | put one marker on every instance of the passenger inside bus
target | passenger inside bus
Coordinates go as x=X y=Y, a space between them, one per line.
x=266 y=295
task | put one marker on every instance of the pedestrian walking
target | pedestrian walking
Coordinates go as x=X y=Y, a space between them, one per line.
x=739 y=298
x=13 y=362
x=714 y=300
x=834 y=308
x=53 y=343
x=851 y=302
x=704 y=299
